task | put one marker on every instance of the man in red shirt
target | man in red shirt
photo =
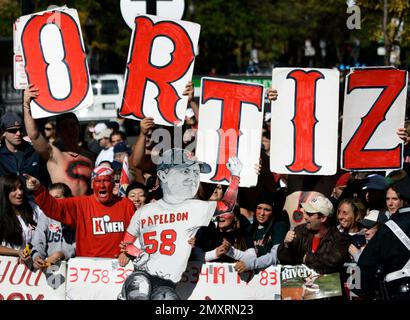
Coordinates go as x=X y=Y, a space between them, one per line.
x=100 y=219
x=316 y=243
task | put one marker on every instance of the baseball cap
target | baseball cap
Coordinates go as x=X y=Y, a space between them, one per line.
x=105 y=133
x=376 y=182
x=10 y=120
x=99 y=127
x=372 y=218
x=403 y=188
x=318 y=204
x=122 y=147
x=343 y=180
x=180 y=158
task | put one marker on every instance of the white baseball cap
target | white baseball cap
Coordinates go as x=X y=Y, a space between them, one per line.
x=318 y=204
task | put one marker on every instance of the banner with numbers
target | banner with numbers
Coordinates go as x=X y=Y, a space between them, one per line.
x=95 y=278
x=50 y=46
x=219 y=281
x=18 y=282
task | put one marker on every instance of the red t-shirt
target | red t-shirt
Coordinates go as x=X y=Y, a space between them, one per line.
x=315 y=244
x=99 y=228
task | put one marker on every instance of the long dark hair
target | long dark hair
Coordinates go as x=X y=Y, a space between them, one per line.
x=10 y=228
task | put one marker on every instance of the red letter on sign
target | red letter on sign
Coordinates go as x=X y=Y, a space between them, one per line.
x=232 y=96
x=304 y=120
x=141 y=70
x=354 y=155
x=74 y=59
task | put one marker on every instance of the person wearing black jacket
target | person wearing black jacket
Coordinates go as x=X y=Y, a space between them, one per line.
x=315 y=243
x=382 y=263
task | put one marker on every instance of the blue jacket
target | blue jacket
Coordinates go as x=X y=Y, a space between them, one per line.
x=25 y=161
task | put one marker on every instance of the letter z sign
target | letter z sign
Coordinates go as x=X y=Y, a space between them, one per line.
x=374 y=107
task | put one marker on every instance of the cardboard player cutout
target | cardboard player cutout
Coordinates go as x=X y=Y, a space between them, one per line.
x=164 y=227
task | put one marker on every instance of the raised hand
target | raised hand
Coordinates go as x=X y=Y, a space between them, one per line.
x=30 y=93
x=146 y=125
x=272 y=94
x=32 y=183
x=234 y=166
x=189 y=91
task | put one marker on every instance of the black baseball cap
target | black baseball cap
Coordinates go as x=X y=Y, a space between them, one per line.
x=180 y=158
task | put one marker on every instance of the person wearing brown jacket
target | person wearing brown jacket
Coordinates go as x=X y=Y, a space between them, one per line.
x=316 y=244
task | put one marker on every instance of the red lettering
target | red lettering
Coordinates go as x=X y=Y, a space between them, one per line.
x=5 y=271
x=15 y=296
x=30 y=297
x=16 y=266
x=39 y=273
x=304 y=120
x=232 y=95
x=204 y=272
x=140 y=70
x=156 y=218
x=354 y=155
x=74 y=59
x=171 y=218
x=219 y=271
x=143 y=222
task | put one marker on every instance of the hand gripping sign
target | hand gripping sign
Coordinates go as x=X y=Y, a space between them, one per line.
x=55 y=61
x=374 y=107
x=160 y=63
x=230 y=125
x=304 y=121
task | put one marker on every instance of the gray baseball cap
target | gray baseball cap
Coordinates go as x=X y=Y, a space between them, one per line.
x=180 y=158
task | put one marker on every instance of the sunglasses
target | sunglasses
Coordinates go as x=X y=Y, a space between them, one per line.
x=14 y=130
x=310 y=214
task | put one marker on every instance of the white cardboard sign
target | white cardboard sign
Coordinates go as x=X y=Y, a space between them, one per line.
x=51 y=47
x=374 y=107
x=160 y=64
x=230 y=124
x=18 y=282
x=304 y=121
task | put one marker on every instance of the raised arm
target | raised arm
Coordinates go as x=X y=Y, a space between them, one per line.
x=189 y=91
x=227 y=203
x=138 y=151
x=40 y=144
x=63 y=210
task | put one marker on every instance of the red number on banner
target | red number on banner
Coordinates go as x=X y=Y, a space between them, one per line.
x=105 y=278
x=141 y=70
x=274 y=278
x=95 y=274
x=232 y=95
x=73 y=275
x=167 y=246
x=355 y=156
x=304 y=120
x=87 y=270
x=74 y=59
x=123 y=274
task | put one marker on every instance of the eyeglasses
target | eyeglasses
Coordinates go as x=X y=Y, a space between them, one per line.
x=14 y=130
x=310 y=214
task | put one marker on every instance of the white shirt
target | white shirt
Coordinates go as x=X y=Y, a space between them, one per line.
x=105 y=155
x=164 y=230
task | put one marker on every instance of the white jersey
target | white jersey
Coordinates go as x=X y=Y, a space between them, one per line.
x=164 y=230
